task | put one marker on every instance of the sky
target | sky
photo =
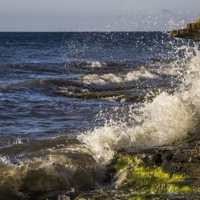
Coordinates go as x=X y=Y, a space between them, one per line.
x=97 y=15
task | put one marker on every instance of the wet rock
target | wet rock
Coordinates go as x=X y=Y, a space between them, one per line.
x=172 y=172
x=164 y=173
x=106 y=194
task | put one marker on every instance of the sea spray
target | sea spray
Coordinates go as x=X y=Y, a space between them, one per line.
x=168 y=118
x=163 y=121
x=61 y=165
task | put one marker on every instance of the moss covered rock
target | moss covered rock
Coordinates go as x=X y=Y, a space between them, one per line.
x=144 y=180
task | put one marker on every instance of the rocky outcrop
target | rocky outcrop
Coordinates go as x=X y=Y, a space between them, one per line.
x=191 y=32
x=162 y=173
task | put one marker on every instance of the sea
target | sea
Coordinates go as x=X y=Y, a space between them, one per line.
x=71 y=101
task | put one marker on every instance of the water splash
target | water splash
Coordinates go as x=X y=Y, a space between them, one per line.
x=170 y=117
x=18 y=141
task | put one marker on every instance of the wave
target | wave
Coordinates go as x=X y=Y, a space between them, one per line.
x=95 y=64
x=166 y=120
x=135 y=75
x=55 y=172
x=64 y=165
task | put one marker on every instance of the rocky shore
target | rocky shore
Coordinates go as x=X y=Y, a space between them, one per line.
x=161 y=173
x=191 y=32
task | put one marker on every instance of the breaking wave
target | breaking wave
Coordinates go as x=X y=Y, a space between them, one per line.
x=139 y=73
x=168 y=118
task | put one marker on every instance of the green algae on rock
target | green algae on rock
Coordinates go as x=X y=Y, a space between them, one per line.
x=163 y=173
x=125 y=96
x=144 y=180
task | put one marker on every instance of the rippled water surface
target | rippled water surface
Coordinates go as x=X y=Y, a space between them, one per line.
x=70 y=101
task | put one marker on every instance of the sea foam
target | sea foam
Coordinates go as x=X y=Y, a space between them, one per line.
x=134 y=75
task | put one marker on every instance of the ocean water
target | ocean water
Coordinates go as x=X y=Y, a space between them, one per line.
x=71 y=101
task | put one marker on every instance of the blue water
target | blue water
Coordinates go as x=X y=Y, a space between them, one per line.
x=54 y=85
x=35 y=65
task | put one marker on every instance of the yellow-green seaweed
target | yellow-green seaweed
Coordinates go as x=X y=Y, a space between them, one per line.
x=145 y=180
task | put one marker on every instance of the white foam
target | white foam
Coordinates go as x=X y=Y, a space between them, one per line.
x=93 y=79
x=134 y=75
x=4 y=160
x=139 y=74
x=18 y=141
x=166 y=119
x=95 y=64
x=167 y=70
